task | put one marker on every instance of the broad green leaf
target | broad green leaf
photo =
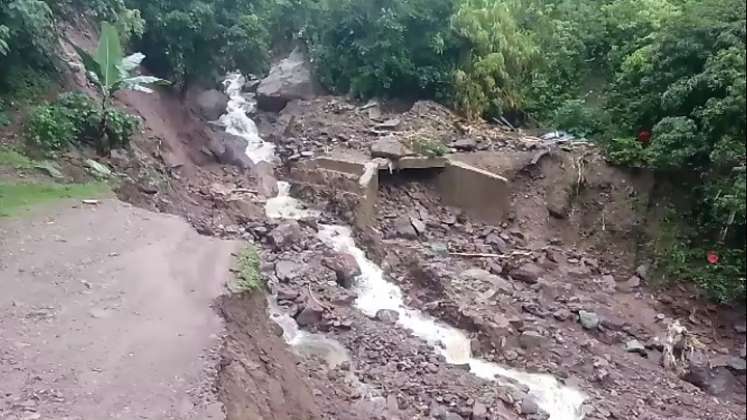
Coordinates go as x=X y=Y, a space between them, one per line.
x=91 y=65
x=130 y=63
x=109 y=55
x=140 y=83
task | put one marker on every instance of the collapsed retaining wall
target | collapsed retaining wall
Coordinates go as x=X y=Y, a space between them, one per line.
x=481 y=194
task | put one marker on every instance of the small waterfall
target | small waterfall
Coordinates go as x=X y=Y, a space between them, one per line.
x=239 y=124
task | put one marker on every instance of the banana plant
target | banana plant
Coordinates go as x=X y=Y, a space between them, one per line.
x=110 y=71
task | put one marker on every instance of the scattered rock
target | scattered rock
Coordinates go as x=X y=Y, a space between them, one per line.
x=345 y=266
x=635 y=346
x=418 y=225
x=558 y=206
x=629 y=285
x=286 y=293
x=588 y=320
x=403 y=228
x=527 y=273
x=531 y=339
x=310 y=315
x=387 y=315
x=440 y=248
x=211 y=104
x=740 y=327
x=736 y=364
x=529 y=406
x=49 y=168
x=389 y=148
x=287 y=270
x=562 y=314
x=288 y=80
x=229 y=149
x=642 y=271
x=466 y=144
x=285 y=235
x=481 y=276
x=715 y=381
x=390 y=124
x=497 y=243
x=97 y=169
x=479 y=411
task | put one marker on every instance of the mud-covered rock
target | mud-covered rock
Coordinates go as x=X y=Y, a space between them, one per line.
x=286 y=294
x=736 y=364
x=527 y=273
x=211 y=104
x=345 y=266
x=479 y=411
x=499 y=284
x=403 y=228
x=288 y=80
x=389 y=148
x=229 y=149
x=717 y=381
x=466 y=144
x=387 y=315
x=287 y=270
x=635 y=346
x=311 y=314
x=531 y=340
x=285 y=235
x=588 y=320
x=630 y=285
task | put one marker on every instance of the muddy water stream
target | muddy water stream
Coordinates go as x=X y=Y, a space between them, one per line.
x=376 y=293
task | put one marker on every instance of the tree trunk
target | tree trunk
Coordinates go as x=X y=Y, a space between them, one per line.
x=102 y=143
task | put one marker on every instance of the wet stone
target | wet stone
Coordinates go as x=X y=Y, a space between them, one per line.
x=287 y=270
x=285 y=235
x=311 y=314
x=635 y=346
x=527 y=273
x=387 y=315
x=531 y=339
x=588 y=320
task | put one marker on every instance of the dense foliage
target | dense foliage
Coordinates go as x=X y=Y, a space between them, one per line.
x=76 y=118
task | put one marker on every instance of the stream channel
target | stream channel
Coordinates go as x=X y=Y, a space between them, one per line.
x=374 y=292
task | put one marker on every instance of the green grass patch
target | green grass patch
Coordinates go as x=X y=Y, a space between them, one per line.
x=10 y=158
x=249 y=277
x=19 y=198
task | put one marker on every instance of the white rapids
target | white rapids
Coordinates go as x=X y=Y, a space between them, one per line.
x=375 y=293
x=239 y=124
x=561 y=402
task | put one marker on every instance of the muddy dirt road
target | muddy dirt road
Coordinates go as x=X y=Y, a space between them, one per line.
x=106 y=313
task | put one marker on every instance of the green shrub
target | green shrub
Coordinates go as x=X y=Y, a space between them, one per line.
x=249 y=276
x=51 y=127
x=427 y=146
x=75 y=117
x=579 y=118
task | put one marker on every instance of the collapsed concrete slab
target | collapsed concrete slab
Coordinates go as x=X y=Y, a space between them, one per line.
x=482 y=194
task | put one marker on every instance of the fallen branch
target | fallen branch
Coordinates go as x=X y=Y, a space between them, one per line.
x=484 y=255
x=311 y=295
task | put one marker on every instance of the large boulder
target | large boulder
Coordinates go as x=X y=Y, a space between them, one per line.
x=389 y=148
x=288 y=80
x=211 y=104
x=229 y=149
x=345 y=267
x=285 y=235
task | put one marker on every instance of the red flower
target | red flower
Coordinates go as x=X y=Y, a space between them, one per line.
x=712 y=257
x=644 y=136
